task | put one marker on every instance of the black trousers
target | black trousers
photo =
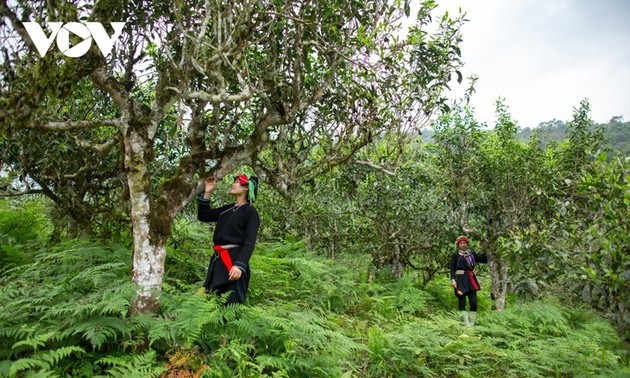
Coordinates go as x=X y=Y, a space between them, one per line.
x=472 y=299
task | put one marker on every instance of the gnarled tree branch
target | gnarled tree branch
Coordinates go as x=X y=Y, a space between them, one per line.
x=72 y=125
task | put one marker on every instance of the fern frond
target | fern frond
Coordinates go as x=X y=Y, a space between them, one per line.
x=139 y=365
x=35 y=342
x=26 y=364
x=95 y=273
x=194 y=314
x=54 y=356
x=5 y=368
x=15 y=332
x=99 y=330
x=117 y=301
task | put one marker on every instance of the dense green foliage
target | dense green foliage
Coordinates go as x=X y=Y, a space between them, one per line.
x=22 y=224
x=65 y=311
x=397 y=218
x=583 y=250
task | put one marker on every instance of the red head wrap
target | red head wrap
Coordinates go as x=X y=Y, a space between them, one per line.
x=251 y=183
x=242 y=179
x=461 y=239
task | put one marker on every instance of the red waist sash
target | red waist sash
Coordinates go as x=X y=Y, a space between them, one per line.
x=224 y=255
x=473 y=280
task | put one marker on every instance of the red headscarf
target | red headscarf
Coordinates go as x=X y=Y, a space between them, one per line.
x=242 y=179
x=461 y=239
x=251 y=183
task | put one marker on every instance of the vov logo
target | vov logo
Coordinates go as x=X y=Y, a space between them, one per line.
x=62 y=32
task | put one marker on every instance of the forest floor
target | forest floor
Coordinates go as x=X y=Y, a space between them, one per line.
x=65 y=313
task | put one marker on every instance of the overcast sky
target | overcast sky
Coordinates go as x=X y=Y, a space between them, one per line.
x=545 y=56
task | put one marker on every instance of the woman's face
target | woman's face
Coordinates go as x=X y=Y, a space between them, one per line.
x=237 y=188
x=463 y=245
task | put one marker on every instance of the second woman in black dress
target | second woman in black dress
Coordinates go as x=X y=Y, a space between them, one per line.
x=463 y=278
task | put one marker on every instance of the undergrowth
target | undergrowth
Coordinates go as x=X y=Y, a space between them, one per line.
x=65 y=313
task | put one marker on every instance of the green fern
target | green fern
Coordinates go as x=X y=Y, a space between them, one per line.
x=134 y=366
x=98 y=275
x=53 y=357
x=44 y=361
x=35 y=342
x=193 y=314
x=27 y=364
x=99 y=330
x=156 y=328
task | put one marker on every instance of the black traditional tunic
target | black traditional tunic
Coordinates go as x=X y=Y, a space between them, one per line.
x=463 y=273
x=235 y=225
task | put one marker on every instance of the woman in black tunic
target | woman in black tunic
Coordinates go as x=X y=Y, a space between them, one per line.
x=234 y=237
x=463 y=278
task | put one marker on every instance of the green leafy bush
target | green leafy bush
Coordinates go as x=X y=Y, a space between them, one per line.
x=22 y=223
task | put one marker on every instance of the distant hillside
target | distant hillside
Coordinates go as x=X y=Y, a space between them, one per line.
x=616 y=134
